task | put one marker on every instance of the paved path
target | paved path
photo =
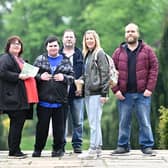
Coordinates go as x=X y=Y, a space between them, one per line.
x=135 y=160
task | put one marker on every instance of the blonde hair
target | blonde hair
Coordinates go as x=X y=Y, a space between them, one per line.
x=97 y=41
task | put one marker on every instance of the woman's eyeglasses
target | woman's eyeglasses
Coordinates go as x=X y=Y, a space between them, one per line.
x=16 y=44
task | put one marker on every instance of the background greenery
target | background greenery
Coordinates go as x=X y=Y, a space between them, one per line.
x=34 y=20
x=28 y=143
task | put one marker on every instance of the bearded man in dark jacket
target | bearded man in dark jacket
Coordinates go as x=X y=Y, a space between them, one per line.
x=138 y=70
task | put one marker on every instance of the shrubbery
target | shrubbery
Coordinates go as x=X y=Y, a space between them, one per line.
x=163 y=128
x=3 y=133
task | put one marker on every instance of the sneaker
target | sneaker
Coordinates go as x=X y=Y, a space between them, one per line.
x=98 y=151
x=36 y=154
x=19 y=155
x=90 y=154
x=148 y=151
x=120 y=150
x=57 y=153
x=77 y=150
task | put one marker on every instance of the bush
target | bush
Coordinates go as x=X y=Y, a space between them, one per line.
x=3 y=132
x=163 y=128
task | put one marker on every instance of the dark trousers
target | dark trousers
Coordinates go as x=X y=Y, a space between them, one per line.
x=58 y=125
x=17 y=119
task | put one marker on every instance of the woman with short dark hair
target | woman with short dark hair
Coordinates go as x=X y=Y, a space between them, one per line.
x=15 y=97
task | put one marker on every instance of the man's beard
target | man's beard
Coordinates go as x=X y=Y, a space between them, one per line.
x=131 y=40
x=69 y=45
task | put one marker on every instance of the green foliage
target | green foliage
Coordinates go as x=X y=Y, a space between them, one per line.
x=3 y=133
x=110 y=123
x=163 y=128
x=28 y=143
x=109 y=18
x=37 y=19
x=162 y=96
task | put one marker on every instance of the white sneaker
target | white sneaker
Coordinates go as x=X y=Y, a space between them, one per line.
x=90 y=154
x=99 y=152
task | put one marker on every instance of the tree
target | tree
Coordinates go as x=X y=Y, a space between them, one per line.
x=163 y=55
x=35 y=20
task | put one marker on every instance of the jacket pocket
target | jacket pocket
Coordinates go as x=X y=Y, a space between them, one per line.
x=11 y=97
x=95 y=78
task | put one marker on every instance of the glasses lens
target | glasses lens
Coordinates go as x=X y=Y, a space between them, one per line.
x=16 y=43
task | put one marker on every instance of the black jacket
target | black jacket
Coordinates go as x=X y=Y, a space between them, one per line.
x=12 y=89
x=53 y=91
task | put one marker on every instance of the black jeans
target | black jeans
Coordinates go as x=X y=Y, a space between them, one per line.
x=58 y=125
x=17 y=120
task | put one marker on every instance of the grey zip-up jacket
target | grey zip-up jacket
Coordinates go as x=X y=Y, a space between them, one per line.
x=92 y=74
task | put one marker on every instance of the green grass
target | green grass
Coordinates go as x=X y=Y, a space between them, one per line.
x=28 y=143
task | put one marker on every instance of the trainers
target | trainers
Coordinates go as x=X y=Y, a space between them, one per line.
x=36 y=154
x=77 y=150
x=90 y=154
x=120 y=150
x=57 y=153
x=98 y=151
x=148 y=151
x=19 y=155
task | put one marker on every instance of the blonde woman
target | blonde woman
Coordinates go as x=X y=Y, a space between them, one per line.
x=95 y=88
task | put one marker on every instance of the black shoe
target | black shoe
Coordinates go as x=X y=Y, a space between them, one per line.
x=120 y=150
x=148 y=151
x=17 y=155
x=36 y=154
x=77 y=150
x=57 y=153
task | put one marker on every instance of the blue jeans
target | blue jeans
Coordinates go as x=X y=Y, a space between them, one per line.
x=76 y=109
x=94 y=112
x=141 y=105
